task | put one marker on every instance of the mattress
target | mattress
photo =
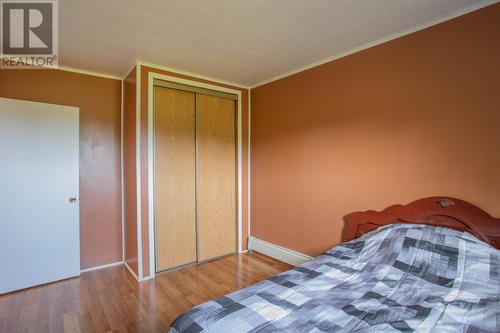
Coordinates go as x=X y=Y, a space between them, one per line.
x=399 y=278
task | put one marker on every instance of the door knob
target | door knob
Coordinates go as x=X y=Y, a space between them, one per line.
x=72 y=199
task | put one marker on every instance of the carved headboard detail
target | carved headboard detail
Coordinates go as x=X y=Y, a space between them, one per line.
x=437 y=211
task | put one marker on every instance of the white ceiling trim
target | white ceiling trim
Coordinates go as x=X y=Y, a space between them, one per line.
x=194 y=75
x=85 y=72
x=149 y=64
x=457 y=13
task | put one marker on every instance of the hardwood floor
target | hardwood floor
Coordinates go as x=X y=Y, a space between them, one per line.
x=111 y=300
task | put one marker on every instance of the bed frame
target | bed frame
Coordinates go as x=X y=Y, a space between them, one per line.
x=437 y=211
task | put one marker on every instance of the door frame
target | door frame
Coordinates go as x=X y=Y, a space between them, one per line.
x=239 y=158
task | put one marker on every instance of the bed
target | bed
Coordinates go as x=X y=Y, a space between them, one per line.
x=430 y=266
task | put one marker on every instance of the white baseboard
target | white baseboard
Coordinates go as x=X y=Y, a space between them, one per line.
x=131 y=271
x=277 y=252
x=96 y=268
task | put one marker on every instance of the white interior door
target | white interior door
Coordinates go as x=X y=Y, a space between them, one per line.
x=39 y=223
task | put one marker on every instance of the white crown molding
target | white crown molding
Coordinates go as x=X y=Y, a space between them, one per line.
x=96 y=268
x=127 y=73
x=85 y=72
x=277 y=252
x=452 y=15
x=194 y=75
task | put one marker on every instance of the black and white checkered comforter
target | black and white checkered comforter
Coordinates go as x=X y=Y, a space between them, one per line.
x=400 y=278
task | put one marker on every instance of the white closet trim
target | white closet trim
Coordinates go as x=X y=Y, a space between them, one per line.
x=138 y=172
x=151 y=199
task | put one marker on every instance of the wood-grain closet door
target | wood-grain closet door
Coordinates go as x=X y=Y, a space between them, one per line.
x=175 y=150
x=216 y=177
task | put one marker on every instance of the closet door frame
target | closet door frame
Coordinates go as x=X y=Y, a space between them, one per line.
x=151 y=148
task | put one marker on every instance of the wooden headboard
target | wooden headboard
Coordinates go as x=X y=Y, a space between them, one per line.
x=437 y=211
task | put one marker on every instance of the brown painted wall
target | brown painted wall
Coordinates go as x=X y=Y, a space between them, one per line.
x=414 y=117
x=129 y=168
x=144 y=160
x=99 y=100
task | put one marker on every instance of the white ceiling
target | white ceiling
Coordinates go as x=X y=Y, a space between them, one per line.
x=241 y=41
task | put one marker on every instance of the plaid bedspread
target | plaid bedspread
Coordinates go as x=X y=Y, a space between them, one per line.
x=399 y=278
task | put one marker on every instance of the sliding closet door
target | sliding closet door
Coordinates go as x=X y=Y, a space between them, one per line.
x=216 y=209
x=175 y=178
